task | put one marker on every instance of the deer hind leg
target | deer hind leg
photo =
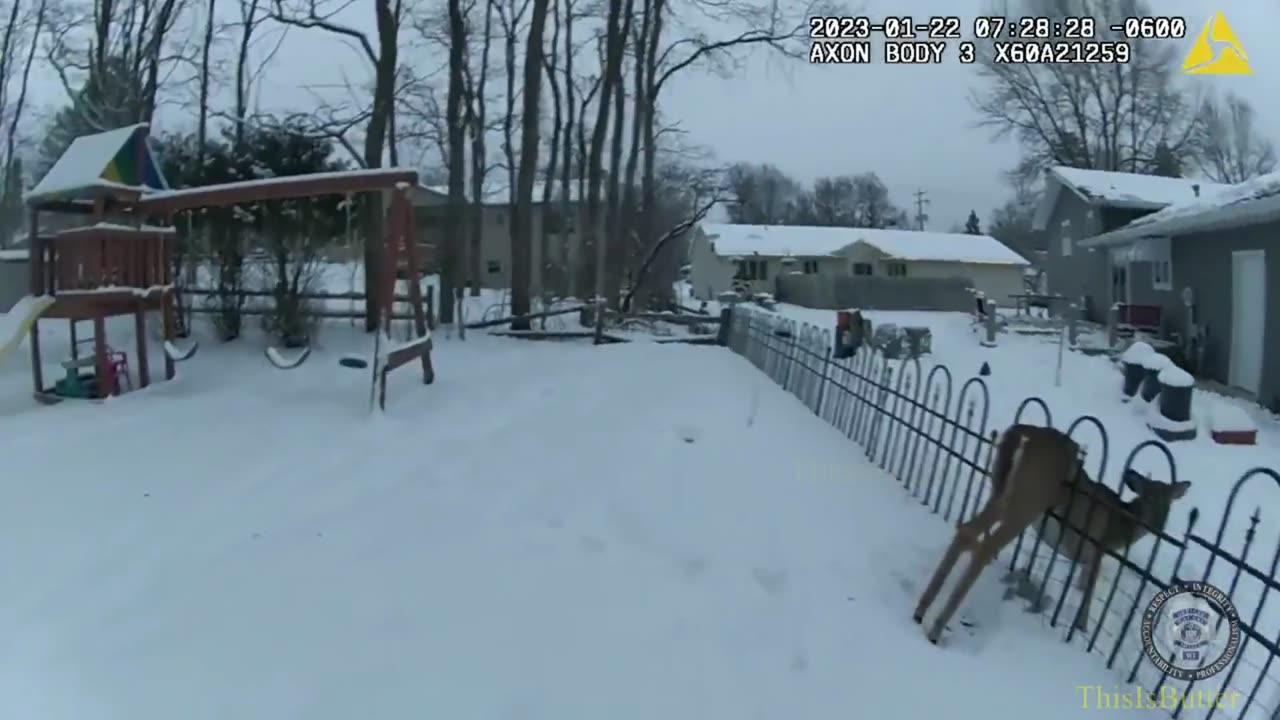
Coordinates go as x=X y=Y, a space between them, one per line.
x=982 y=554
x=966 y=538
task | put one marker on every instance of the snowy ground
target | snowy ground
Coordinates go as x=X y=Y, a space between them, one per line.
x=1024 y=366
x=550 y=531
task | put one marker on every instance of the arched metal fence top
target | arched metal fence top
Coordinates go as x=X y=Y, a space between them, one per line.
x=966 y=402
x=1235 y=491
x=1027 y=402
x=1102 y=435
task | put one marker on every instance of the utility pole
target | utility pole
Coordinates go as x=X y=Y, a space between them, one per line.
x=922 y=201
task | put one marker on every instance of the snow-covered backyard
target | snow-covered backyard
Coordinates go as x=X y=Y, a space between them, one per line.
x=1024 y=367
x=549 y=531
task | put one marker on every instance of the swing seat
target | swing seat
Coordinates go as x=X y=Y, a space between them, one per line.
x=178 y=354
x=353 y=361
x=283 y=362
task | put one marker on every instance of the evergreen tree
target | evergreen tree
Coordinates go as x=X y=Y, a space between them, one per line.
x=1167 y=162
x=973 y=226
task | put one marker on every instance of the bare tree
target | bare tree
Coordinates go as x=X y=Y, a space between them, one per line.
x=521 y=220
x=202 y=126
x=549 y=61
x=111 y=60
x=1229 y=147
x=11 y=183
x=382 y=59
x=1101 y=116
x=455 y=123
x=477 y=122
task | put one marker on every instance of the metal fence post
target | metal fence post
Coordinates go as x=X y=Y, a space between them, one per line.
x=1073 y=325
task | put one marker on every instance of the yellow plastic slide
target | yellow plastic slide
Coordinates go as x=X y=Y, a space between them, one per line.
x=15 y=324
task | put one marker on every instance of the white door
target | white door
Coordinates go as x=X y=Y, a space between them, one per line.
x=1248 y=318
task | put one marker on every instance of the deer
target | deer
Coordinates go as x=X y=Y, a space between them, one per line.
x=1034 y=470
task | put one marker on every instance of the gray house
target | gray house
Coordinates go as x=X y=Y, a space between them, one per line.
x=1079 y=204
x=1217 y=255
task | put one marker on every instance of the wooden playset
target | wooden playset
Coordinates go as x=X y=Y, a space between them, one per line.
x=120 y=262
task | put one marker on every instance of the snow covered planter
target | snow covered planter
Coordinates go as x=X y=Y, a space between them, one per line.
x=1134 y=372
x=1172 y=421
x=919 y=341
x=1231 y=425
x=890 y=339
x=1152 y=365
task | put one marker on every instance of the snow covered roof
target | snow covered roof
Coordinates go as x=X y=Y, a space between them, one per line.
x=110 y=159
x=1252 y=201
x=1116 y=189
x=805 y=241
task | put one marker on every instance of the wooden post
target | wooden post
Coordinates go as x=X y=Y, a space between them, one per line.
x=166 y=312
x=35 y=257
x=140 y=329
x=75 y=343
x=37 y=372
x=405 y=208
x=100 y=354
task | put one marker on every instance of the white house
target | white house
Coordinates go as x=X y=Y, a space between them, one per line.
x=720 y=251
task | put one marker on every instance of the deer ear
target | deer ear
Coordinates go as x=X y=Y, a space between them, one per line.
x=1134 y=480
x=1181 y=488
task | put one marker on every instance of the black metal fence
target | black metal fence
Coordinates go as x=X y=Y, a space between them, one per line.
x=934 y=437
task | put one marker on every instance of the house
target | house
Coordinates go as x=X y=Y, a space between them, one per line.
x=14 y=280
x=1078 y=204
x=1212 y=259
x=755 y=253
x=495 y=242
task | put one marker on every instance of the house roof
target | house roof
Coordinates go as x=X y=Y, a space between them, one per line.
x=806 y=241
x=111 y=159
x=1105 y=188
x=1252 y=201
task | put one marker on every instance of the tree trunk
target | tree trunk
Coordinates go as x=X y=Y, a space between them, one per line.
x=568 y=254
x=374 y=143
x=614 y=45
x=529 y=140
x=547 y=267
x=202 y=127
x=456 y=141
x=479 y=156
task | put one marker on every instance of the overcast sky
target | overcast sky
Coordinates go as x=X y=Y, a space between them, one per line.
x=910 y=124
x=913 y=124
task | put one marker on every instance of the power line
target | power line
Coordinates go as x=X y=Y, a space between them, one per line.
x=922 y=201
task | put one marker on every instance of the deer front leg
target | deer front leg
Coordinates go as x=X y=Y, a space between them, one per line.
x=959 y=544
x=966 y=538
x=1090 y=563
x=981 y=555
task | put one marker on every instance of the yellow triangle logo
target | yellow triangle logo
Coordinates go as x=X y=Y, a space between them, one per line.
x=1217 y=51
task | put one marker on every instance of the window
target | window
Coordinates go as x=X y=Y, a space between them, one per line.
x=495 y=267
x=1066 y=245
x=810 y=267
x=1162 y=275
x=754 y=270
x=895 y=269
x=862 y=269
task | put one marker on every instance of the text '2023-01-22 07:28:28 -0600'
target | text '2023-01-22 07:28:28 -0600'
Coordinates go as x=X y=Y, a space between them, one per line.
x=1041 y=40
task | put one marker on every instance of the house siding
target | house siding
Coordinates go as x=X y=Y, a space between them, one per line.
x=1082 y=276
x=495 y=240
x=1203 y=263
x=1085 y=276
x=997 y=282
